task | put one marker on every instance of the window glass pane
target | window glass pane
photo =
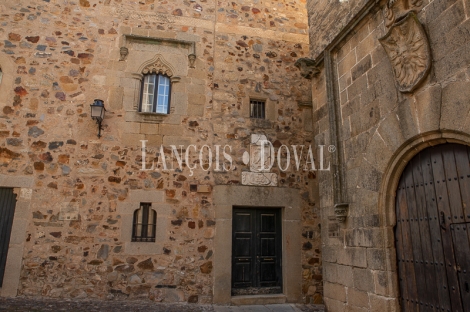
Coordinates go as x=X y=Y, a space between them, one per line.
x=138 y=230
x=151 y=223
x=138 y=222
x=148 y=93
x=163 y=94
x=151 y=214
x=139 y=215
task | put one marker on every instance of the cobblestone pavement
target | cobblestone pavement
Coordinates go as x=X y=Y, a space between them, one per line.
x=53 y=305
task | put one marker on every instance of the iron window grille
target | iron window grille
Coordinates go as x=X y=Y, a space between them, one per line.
x=257 y=109
x=155 y=94
x=145 y=224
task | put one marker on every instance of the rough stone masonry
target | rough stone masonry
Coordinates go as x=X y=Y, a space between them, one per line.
x=77 y=193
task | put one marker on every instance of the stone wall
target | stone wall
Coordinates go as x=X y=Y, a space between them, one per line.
x=58 y=56
x=379 y=129
x=327 y=19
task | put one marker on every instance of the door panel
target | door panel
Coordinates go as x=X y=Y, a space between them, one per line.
x=268 y=223
x=256 y=251
x=243 y=273
x=243 y=222
x=442 y=300
x=462 y=256
x=268 y=248
x=268 y=273
x=7 y=210
x=242 y=249
x=432 y=238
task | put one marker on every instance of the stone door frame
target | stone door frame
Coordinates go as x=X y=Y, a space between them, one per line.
x=389 y=185
x=22 y=187
x=228 y=196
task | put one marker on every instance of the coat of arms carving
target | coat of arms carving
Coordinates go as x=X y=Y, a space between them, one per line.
x=408 y=49
x=395 y=10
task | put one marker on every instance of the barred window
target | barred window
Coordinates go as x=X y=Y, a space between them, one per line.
x=145 y=224
x=155 y=96
x=257 y=109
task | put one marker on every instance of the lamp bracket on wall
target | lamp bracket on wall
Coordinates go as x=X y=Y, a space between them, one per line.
x=97 y=113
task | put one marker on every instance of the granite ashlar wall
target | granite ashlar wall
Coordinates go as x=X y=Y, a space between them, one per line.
x=379 y=130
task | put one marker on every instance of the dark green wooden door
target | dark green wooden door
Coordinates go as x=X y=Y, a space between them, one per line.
x=432 y=236
x=256 y=251
x=7 y=210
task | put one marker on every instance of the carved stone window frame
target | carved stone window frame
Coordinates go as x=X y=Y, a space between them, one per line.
x=270 y=110
x=126 y=210
x=157 y=64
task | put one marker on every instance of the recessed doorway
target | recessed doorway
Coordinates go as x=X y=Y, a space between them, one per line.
x=256 y=251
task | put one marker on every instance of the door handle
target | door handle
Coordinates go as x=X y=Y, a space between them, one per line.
x=443 y=221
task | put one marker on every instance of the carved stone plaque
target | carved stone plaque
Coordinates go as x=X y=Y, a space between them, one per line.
x=260 y=155
x=259 y=179
x=258 y=161
x=408 y=49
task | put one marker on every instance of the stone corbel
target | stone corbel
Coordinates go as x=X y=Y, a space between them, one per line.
x=341 y=212
x=192 y=60
x=123 y=51
x=192 y=55
x=308 y=67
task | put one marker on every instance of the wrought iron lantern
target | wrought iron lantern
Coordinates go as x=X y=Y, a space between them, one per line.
x=97 y=113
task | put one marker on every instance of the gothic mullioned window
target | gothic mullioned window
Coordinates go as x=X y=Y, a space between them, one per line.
x=155 y=95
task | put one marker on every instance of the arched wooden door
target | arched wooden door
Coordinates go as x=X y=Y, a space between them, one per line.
x=433 y=230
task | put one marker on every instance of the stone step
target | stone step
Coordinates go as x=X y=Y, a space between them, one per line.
x=259 y=299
